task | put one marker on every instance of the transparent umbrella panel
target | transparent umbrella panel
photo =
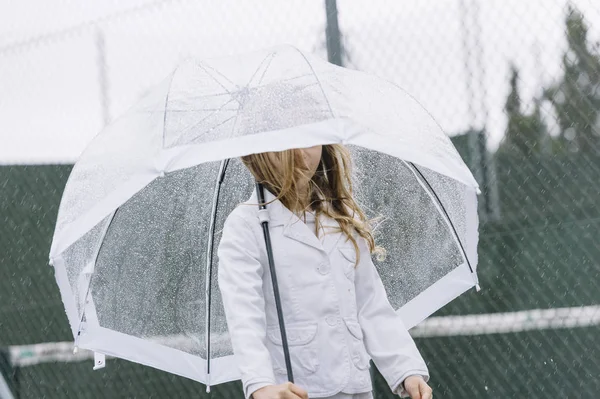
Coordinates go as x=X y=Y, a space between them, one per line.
x=421 y=246
x=152 y=269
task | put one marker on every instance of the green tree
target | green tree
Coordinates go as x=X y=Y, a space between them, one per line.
x=525 y=133
x=576 y=96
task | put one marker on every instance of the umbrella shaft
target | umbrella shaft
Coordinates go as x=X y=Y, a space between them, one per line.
x=265 y=227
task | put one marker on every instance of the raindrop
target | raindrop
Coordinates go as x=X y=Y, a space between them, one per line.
x=570 y=133
x=583 y=79
x=560 y=97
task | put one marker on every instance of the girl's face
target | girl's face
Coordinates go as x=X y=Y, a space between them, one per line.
x=273 y=167
x=312 y=157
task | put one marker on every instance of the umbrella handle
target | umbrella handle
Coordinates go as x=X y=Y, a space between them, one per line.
x=264 y=221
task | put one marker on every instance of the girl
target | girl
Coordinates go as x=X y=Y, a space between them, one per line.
x=335 y=308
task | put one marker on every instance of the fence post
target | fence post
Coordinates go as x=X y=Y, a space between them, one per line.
x=332 y=33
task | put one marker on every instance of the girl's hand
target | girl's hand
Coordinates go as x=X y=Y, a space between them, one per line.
x=417 y=388
x=281 y=391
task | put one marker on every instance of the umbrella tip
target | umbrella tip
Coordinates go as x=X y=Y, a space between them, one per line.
x=477 y=287
x=208 y=377
x=99 y=361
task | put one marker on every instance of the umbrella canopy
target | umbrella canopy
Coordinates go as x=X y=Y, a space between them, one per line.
x=143 y=208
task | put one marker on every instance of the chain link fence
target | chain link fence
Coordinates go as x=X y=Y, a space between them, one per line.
x=516 y=84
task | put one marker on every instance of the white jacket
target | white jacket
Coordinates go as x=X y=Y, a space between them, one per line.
x=337 y=316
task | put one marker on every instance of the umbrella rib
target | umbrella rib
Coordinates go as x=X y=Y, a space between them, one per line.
x=164 y=126
x=195 y=110
x=96 y=255
x=296 y=77
x=318 y=81
x=187 y=129
x=217 y=125
x=441 y=205
x=249 y=82
x=204 y=67
x=203 y=96
x=209 y=263
x=258 y=85
x=271 y=57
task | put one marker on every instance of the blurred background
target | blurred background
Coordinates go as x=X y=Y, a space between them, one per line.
x=516 y=84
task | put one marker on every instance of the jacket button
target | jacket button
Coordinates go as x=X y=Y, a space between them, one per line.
x=323 y=268
x=331 y=320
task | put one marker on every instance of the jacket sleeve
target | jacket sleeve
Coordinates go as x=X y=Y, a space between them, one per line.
x=386 y=338
x=240 y=282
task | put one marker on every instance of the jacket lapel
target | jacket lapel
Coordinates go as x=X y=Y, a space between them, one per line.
x=295 y=229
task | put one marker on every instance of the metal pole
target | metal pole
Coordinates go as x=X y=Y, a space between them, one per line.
x=332 y=33
x=264 y=221
x=473 y=131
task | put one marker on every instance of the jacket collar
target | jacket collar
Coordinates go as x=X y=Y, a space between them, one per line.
x=295 y=228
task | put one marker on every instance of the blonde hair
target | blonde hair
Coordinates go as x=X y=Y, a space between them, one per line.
x=329 y=190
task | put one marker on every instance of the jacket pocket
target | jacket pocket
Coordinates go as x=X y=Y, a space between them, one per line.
x=359 y=355
x=301 y=342
x=349 y=261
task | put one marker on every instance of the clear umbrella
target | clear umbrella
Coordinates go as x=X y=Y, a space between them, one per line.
x=141 y=215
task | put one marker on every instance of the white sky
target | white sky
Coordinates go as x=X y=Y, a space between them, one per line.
x=50 y=97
